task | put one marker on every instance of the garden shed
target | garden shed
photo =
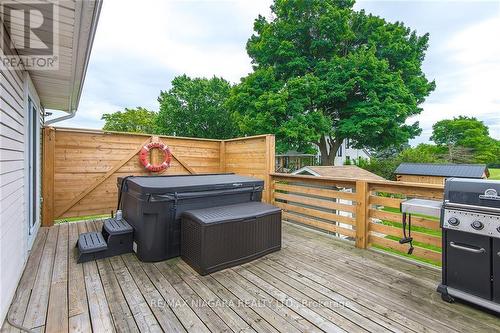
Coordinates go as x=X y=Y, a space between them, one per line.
x=430 y=173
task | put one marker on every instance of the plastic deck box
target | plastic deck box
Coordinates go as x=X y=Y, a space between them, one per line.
x=216 y=238
x=153 y=205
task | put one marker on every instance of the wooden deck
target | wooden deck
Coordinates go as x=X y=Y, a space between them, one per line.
x=315 y=283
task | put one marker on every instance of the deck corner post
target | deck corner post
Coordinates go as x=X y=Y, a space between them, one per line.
x=362 y=193
x=270 y=166
x=48 y=160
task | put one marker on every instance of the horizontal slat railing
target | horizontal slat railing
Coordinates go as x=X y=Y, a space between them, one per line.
x=384 y=219
x=323 y=203
x=366 y=212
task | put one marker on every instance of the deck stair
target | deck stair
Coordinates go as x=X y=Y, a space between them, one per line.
x=115 y=238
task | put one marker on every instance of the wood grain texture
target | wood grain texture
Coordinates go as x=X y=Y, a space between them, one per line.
x=57 y=313
x=323 y=202
x=251 y=156
x=322 y=225
x=394 y=245
x=316 y=213
x=315 y=283
x=306 y=188
x=82 y=166
x=361 y=214
x=396 y=217
x=100 y=314
x=328 y=204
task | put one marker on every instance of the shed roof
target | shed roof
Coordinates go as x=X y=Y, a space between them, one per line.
x=443 y=170
x=341 y=171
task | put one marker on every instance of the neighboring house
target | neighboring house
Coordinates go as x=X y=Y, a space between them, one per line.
x=26 y=91
x=293 y=160
x=347 y=153
x=437 y=173
x=339 y=172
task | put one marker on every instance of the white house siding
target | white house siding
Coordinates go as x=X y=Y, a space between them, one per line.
x=14 y=242
x=347 y=152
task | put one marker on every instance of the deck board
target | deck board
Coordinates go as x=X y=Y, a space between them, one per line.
x=315 y=283
x=78 y=310
x=36 y=313
x=100 y=315
x=400 y=290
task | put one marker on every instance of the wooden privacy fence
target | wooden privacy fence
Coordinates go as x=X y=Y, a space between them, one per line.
x=80 y=167
x=365 y=212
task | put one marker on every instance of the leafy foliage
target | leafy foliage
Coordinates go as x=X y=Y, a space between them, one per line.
x=467 y=140
x=195 y=107
x=459 y=140
x=265 y=105
x=456 y=131
x=139 y=120
x=324 y=72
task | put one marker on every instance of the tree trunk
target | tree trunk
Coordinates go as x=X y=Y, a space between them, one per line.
x=328 y=148
x=450 y=153
x=323 y=149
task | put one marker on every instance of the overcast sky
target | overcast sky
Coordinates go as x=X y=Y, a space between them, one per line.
x=141 y=46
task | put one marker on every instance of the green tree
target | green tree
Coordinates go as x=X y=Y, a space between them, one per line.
x=137 y=120
x=196 y=108
x=324 y=72
x=385 y=166
x=466 y=139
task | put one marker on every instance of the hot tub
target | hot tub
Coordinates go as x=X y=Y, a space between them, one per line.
x=153 y=206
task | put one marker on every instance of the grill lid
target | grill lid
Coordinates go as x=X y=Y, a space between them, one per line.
x=474 y=192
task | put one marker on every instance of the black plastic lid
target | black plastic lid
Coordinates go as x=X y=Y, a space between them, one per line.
x=478 y=192
x=229 y=213
x=189 y=183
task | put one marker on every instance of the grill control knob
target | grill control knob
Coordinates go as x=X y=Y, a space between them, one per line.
x=498 y=229
x=478 y=225
x=453 y=221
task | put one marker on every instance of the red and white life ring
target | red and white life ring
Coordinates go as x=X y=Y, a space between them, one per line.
x=144 y=157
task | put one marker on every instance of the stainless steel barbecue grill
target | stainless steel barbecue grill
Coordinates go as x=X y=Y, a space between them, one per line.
x=470 y=221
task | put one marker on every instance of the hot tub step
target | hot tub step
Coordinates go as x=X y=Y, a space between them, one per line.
x=116 y=238
x=91 y=245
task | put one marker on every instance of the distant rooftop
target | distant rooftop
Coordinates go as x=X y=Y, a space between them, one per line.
x=341 y=171
x=443 y=170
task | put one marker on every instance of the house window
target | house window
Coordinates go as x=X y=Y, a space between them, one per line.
x=339 y=152
x=347 y=143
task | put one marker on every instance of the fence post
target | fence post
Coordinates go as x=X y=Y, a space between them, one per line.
x=48 y=157
x=361 y=214
x=270 y=166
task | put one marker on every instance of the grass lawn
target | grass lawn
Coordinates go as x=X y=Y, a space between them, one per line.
x=414 y=228
x=82 y=218
x=494 y=174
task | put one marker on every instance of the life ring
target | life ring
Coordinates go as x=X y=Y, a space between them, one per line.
x=144 y=157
